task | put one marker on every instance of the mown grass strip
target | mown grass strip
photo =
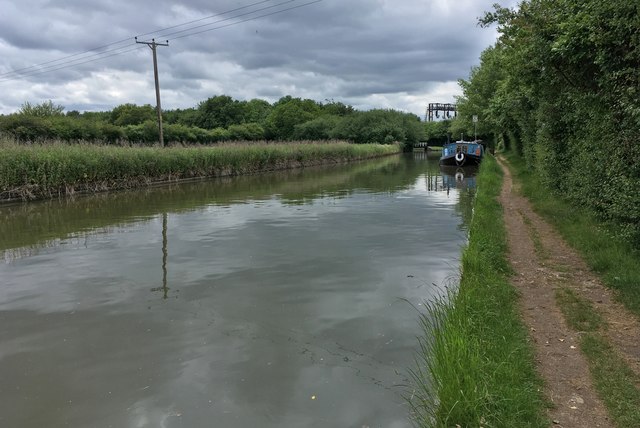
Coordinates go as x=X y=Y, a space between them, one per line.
x=614 y=380
x=535 y=237
x=577 y=311
x=614 y=259
x=41 y=171
x=476 y=366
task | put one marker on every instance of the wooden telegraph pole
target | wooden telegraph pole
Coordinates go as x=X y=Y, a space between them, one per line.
x=152 y=45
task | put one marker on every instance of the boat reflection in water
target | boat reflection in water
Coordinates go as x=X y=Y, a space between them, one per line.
x=458 y=178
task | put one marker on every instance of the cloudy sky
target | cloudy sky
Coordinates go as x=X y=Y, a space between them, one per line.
x=398 y=54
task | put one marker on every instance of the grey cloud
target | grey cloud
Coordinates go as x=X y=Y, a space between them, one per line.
x=333 y=49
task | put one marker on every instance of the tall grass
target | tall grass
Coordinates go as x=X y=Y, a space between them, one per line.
x=613 y=258
x=40 y=171
x=476 y=367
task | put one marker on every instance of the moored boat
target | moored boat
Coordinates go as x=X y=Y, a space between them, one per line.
x=462 y=153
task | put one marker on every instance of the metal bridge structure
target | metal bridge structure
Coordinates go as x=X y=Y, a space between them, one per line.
x=434 y=110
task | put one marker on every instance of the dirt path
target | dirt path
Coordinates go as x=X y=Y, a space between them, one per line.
x=543 y=263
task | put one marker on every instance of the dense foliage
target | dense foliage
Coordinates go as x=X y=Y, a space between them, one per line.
x=219 y=118
x=561 y=87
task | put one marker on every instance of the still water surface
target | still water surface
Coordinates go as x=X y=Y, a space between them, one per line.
x=279 y=300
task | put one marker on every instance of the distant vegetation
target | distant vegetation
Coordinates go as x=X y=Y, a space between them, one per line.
x=219 y=118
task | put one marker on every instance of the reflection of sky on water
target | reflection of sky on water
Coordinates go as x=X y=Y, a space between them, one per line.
x=269 y=304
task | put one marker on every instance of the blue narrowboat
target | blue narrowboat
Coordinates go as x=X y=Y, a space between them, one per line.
x=462 y=153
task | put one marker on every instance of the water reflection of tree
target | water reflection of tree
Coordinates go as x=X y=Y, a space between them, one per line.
x=464 y=207
x=39 y=222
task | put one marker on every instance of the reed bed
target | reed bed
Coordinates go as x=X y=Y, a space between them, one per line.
x=48 y=170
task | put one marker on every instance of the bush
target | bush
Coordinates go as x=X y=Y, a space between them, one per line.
x=246 y=132
x=110 y=133
x=25 y=128
x=320 y=128
x=217 y=135
x=380 y=127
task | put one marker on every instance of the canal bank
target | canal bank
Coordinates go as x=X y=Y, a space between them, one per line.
x=41 y=171
x=532 y=337
x=476 y=365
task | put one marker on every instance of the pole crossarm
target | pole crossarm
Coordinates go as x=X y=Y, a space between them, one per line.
x=152 y=45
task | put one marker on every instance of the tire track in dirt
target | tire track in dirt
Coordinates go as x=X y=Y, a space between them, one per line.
x=559 y=361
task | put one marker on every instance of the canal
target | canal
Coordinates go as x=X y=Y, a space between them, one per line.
x=279 y=300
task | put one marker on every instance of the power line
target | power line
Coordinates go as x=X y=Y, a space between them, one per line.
x=71 y=64
x=165 y=35
x=17 y=71
x=248 y=19
x=78 y=61
x=202 y=19
x=50 y=66
x=100 y=56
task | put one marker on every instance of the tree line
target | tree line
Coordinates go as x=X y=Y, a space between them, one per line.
x=561 y=88
x=219 y=118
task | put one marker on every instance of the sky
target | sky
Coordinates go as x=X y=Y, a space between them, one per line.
x=81 y=54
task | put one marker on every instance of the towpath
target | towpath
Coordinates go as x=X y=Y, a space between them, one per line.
x=544 y=263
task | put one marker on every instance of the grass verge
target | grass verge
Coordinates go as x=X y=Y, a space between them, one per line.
x=616 y=261
x=44 y=171
x=476 y=366
x=613 y=379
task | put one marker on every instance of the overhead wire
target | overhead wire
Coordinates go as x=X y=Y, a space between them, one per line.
x=17 y=71
x=162 y=36
x=71 y=63
x=61 y=67
x=203 y=19
x=66 y=62
x=248 y=19
x=128 y=39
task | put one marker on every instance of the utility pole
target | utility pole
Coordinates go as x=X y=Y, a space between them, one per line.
x=152 y=45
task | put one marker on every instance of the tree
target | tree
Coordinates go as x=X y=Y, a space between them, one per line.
x=337 y=108
x=187 y=117
x=45 y=109
x=320 y=128
x=561 y=85
x=131 y=114
x=437 y=133
x=256 y=111
x=219 y=112
x=381 y=127
x=286 y=114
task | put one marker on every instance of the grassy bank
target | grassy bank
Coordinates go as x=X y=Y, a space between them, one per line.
x=612 y=258
x=43 y=171
x=475 y=367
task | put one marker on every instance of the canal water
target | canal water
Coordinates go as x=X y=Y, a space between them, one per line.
x=278 y=300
